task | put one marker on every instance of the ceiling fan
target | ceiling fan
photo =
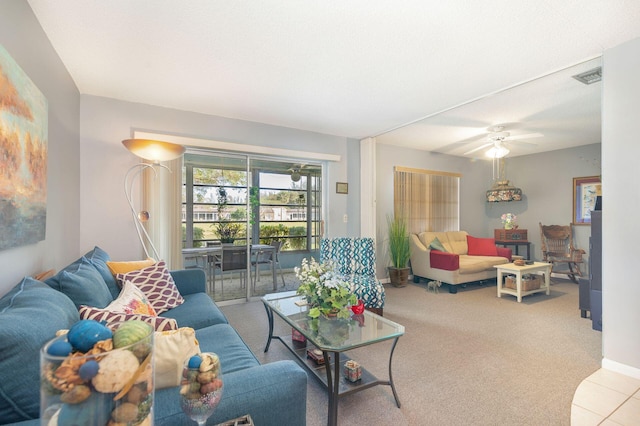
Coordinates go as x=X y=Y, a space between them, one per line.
x=295 y=172
x=497 y=138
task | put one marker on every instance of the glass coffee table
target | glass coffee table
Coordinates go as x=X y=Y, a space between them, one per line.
x=327 y=340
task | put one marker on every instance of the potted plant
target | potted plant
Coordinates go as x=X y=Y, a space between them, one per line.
x=227 y=230
x=398 y=251
x=327 y=294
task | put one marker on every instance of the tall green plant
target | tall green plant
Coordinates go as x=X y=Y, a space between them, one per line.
x=398 y=241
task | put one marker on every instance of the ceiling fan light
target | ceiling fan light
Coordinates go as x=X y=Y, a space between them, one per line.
x=497 y=152
x=295 y=176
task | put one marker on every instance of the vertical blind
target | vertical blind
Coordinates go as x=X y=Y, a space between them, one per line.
x=427 y=199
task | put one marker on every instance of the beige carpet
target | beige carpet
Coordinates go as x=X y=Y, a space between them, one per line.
x=465 y=359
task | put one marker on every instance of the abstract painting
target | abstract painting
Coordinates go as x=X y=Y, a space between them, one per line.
x=23 y=157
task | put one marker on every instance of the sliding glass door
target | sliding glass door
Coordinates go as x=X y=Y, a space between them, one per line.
x=242 y=216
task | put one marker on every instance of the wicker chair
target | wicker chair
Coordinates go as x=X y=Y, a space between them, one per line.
x=558 y=249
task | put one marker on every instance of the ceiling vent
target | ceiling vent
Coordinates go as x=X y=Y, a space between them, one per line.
x=589 y=77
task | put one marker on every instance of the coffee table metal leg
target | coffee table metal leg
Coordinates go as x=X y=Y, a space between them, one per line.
x=393 y=387
x=333 y=386
x=270 y=318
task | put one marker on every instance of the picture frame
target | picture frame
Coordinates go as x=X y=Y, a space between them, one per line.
x=342 y=188
x=585 y=191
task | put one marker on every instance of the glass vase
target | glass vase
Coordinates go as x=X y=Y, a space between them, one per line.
x=101 y=386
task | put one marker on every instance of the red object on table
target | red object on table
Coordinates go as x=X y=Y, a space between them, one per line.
x=359 y=308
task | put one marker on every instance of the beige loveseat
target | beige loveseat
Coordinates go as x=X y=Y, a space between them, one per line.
x=464 y=259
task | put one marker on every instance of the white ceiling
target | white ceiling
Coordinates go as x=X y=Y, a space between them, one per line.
x=352 y=68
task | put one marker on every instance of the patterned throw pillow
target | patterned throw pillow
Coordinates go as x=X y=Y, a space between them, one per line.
x=158 y=323
x=131 y=301
x=156 y=283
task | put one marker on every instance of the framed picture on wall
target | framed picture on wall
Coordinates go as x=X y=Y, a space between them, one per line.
x=585 y=191
x=342 y=188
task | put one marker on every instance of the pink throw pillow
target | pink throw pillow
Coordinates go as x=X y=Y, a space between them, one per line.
x=157 y=284
x=481 y=246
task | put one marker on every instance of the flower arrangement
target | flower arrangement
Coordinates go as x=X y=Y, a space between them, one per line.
x=509 y=220
x=326 y=293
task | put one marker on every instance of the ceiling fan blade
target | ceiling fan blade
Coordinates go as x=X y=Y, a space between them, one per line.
x=521 y=144
x=527 y=136
x=478 y=148
x=456 y=145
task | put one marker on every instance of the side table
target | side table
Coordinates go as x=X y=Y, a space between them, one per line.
x=510 y=268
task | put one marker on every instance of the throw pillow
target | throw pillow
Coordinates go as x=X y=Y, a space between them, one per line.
x=157 y=284
x=131 y=301
x=481 y=246
x=128 y=266
x=30 y=314
x=172 y=348
x=437 y=245
x=158 y=323
x=99 y=259
x=82 y=283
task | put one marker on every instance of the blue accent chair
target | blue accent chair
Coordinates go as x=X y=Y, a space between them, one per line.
x=355 y=260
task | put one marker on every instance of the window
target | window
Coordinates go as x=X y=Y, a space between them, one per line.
x=220 y=197
x=429 y=200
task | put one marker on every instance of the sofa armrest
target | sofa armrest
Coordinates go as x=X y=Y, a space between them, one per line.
x=190 y=281
x=443 y=260
x=504 y=252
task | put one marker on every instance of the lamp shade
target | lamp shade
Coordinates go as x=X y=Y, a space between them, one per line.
x=155 y=151
x=503 y=191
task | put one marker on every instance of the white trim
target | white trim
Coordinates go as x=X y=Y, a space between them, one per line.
x=617 y=367
x=368 y=188
x=236 y=147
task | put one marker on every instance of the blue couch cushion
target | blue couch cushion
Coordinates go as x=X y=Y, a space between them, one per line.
x=99 y=259
x=227 y=343
x=273 y=394
x=82 y=283
x=197 y=311
x=30 y=315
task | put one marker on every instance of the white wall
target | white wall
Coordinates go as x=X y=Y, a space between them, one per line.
x=105 y=217
x=22 y=36
x=621 y=227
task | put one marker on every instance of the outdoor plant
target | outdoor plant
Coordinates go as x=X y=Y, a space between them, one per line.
x=226 y=230
x=325 y=291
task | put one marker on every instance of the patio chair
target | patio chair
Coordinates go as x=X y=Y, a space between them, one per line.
x=267 y=257
x=234 y=258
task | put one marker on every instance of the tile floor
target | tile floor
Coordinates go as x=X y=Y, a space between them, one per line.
x=606 y=398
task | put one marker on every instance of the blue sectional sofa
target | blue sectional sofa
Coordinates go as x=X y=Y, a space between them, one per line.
x=31 y=313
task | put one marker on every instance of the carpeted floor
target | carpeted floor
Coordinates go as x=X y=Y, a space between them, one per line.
x=465 y=359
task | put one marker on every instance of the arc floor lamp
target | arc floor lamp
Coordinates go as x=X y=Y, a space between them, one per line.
x=155 y=152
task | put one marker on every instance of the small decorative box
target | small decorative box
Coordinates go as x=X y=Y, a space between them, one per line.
x=316 y=355
x=298 y=340
x=352 y=371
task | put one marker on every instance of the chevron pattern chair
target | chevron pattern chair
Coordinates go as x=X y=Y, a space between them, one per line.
x=355 y=260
